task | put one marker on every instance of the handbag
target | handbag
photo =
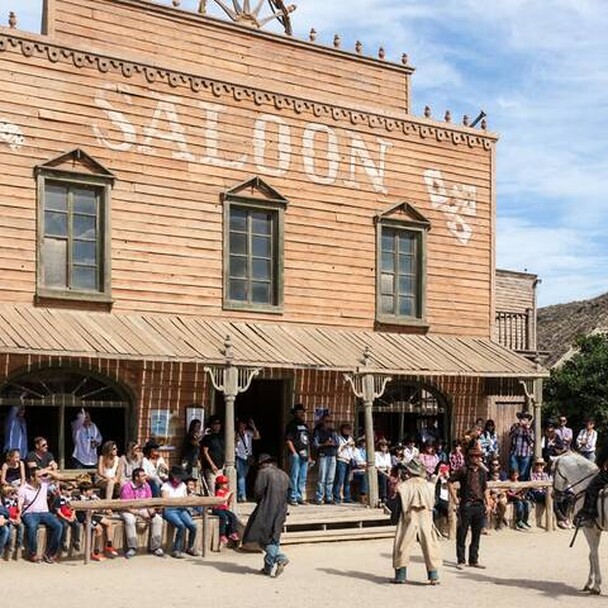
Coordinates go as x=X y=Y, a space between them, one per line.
x=250 y=457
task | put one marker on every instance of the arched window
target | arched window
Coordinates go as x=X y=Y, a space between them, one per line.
x=54 y=396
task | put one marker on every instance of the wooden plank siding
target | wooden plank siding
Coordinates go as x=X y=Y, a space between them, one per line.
x=166 y=211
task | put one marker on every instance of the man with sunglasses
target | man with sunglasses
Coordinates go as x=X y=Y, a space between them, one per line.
x=41 y=458
x=564 y=432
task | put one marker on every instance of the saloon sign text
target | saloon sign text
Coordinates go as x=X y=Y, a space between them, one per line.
x=328 y=156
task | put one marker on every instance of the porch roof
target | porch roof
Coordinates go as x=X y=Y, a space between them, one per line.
x=44 y=331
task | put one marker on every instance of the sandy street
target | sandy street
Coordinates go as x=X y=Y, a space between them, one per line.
x=532 y=569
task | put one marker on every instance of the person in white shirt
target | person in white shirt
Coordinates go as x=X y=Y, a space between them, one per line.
x=383 y=465
x=87 y=439
x=179 y=517
x=344 y=457
x=586 y=440
x=410 y=451
x=246 y=434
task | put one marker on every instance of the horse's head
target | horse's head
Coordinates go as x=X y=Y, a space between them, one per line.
x=571 y=472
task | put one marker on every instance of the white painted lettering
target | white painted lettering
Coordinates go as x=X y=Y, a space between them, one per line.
x=309 y=154
x=212 y=155
x=359 y=154
x=260 y=142
x=118 y=119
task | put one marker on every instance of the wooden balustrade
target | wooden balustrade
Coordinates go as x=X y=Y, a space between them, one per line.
x=514 y=330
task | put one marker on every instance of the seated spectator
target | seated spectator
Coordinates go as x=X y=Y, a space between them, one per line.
x=442 y=493
x=5 y=532
x=397 y=455
x=40 y=458
x=10 y=502
x=383 y=466
x=192 y=486
x=538 y=495
x=34 y=509
x=108 y=472
x=520 y=504
x=489 y=441
x=100 y=524
x=179 y=517
x=498 y=497
x=129 y=461
x=394 y=479
x=137 y=489
x=440 y=450
x=410 y=451
x=429 y=459
x=155 y=467
x=456 y=457
x=228 y=522
x=13 y=469
x=61 y=506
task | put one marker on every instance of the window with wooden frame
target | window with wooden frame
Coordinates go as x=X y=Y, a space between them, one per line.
x=253 y=247
x=73 y=228
x=401 y=266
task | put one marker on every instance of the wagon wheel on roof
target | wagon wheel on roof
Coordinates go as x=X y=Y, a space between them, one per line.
x=258 y=15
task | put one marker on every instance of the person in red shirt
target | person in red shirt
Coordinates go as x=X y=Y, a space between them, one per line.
x=228 y=523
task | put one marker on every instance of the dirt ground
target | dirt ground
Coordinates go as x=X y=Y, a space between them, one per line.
x=523 y=568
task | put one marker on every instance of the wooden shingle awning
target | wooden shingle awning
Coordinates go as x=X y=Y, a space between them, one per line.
x=45 y=331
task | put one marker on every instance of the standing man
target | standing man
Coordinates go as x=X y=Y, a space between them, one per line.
x=15 y=430
x=565 y=433
x=213 y=451
x=297 y=436
x=473 y=502
x=266 y=522
x=521 y=437
x=87 y=439
x=325 y=441
x=415 y=523
x=586 y=440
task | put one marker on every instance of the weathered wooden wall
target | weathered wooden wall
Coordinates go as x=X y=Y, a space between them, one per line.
x=166 y=209
x=515 y=291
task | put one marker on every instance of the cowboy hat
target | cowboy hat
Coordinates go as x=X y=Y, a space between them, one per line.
x=522 y=415
x=415 y=468
x=540 y=460
x=265 y=458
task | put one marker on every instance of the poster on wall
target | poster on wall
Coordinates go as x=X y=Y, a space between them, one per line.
x=319 y=413
x=159 y=423
x=195 y=413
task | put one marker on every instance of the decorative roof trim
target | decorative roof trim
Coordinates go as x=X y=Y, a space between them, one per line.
x=258 y=184
x=424 y=129
x=406 y=208
x=75 y=154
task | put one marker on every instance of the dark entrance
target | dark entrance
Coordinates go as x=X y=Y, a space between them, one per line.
x=53 y=397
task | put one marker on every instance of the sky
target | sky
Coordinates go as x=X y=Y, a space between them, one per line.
x=539 y=69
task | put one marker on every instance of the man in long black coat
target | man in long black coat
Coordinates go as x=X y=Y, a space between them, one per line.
x=266 y=522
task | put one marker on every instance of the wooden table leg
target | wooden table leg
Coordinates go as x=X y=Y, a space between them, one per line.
x=205 y=531
x=87 y=537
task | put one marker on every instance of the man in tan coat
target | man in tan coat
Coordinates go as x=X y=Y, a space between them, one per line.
x=416 y=523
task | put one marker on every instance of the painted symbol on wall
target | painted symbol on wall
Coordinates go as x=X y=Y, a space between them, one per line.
x=456 y=201
x=11 y=135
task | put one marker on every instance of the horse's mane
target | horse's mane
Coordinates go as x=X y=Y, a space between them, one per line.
x=577 y=465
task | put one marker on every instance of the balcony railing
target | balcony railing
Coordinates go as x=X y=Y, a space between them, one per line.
x=516 y=330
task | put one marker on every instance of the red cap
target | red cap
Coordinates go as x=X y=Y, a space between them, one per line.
x=221 y=479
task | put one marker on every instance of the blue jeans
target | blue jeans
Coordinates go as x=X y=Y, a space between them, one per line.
x=242 y=469
x=521 y=464
x=327 y=473
x=522 y=510
x=273 y=556
x=297 y=477
x=227 y=521
x=75 y=538
x=181 y=519
x=54 y=531
x=5 y=533
x=342 y=482
x=19 y=528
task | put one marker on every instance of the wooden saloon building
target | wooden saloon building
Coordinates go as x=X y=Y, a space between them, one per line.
x=170 y=179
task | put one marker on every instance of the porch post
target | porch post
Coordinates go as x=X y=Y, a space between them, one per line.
x=230 y=380
x=369 y=386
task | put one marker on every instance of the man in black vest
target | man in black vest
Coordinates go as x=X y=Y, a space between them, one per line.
x=472 y=501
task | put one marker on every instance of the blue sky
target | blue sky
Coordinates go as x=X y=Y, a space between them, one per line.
x=539 y=68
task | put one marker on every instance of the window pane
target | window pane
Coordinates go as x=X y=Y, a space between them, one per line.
x=406 y=307
x=388 y=240
x=261 y=246
x=84 y=277
x=387 y=284
x=84 y=227
x=388 y=305
x=388 y=262
x=238 y=219
x=85 y=200
x=55 y=224
x=406 y=264
x=238 y=290
x=238 y=266
x=54 y=255
x=261 y=269
x=406 y=285
x=260 y=293
x=406 y=242
x=85 y=252
x=238 y=243
x=261 y=223
x=55 y=197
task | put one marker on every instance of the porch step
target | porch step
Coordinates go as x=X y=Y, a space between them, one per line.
x=343 y=534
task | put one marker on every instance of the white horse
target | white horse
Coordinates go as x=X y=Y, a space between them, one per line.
x=572 y=473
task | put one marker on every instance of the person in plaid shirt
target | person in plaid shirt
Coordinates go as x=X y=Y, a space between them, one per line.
x=521 y=438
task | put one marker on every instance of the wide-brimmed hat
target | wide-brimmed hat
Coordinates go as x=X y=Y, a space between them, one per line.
x=522 y=415
x=540 y=460
x=415 y=468
x=265 y=458
x=178 y=473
